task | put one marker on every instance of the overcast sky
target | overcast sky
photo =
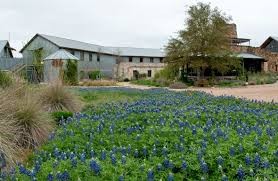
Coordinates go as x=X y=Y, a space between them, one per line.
x=137 y=23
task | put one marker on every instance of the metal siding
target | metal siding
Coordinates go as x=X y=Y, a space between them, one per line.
x=37 y=43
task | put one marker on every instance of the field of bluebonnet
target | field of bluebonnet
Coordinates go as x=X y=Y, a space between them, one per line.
x=160 y=135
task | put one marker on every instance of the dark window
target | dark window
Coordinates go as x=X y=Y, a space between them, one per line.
x=81 y=56
x=141 y=60
x=130 y=59
x=149 y=73
x=161 y=60
x=90 y=57
x=98 y=58
x=72 y=52
x=151 y=59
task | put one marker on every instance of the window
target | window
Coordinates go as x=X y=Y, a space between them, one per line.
x=72 y=52
x=130 y=59
x=81 y=56
x=151 y=59
x=98 y=57
x=149 y=73
x=90 y=57
x=141 y=60
x=161 y=60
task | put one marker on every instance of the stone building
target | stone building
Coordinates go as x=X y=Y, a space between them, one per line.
x=266 y=55
x=112 y=62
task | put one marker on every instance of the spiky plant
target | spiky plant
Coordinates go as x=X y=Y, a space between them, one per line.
x=34 y=124
x=55 y=97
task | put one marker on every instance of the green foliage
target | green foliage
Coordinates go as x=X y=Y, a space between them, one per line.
x=57 y=116
x=37 y=62
x=167 y=129
x=5 y=79
x=262 y=78
x=71 y=74
x=204 y=42
x=94 y=75
x=169 y=73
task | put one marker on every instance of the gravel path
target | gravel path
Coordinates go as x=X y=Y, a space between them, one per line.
x=267 y=93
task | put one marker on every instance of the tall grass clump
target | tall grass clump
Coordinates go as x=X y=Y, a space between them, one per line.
x=5 y=79
x=55 y=98
x=34 y=124
x=8 y=131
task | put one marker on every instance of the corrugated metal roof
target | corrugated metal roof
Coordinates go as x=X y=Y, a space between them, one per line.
x=138 y=52
x=3 y=43
x=124 y=51
x=61 y=55
x=73 y=44
x=249 y=56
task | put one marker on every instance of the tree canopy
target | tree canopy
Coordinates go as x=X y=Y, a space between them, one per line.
x=204 y=42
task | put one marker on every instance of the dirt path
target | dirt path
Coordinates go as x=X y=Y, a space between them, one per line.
x=266 y=93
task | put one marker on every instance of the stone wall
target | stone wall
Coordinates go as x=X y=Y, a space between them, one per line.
x=271 y=58
x=124 y=70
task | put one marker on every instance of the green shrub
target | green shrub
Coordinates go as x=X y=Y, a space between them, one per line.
x=94 y=75
x=71 y=74
x=5 y=79
x=57 y=116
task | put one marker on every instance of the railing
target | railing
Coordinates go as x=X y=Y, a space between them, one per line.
x=10 y=63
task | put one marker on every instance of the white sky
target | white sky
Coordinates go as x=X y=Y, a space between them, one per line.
x=137 y=23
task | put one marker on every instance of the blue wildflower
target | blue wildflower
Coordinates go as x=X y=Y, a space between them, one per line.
x=123 y=159
x=50 y=177
x=240 y=173
x=204 y=167
x=113 y=159
x=95 y=167
x=257 y=160
x=150 y=175
x=247 y=159
x=184 y=165
x=220 y=160
x=170 y=177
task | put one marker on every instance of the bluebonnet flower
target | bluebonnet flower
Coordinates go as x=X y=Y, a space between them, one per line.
x=204 y=167
x=145 y=151
x=159 y=167
x=123 y=159
x=232 y=151
x=121 y=178
x=103 y=155
x=124 y=151
x=65 y=176
x=95 y=167
x=240 y=173
x=50 y=177
x=170 y=177
x=184 y=165
x=83 y=157
x=74 y=162
x=265 y=164
x=241 y=149
x=220 y=160
x=136 y=153
x=113 y=159
x=150 y=175
x=92 y=153
x=164 y=151
x=257 y=160
x=248 y=159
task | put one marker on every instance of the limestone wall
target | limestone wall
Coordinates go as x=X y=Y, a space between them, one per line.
x=124 y=70
x=271 y=57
